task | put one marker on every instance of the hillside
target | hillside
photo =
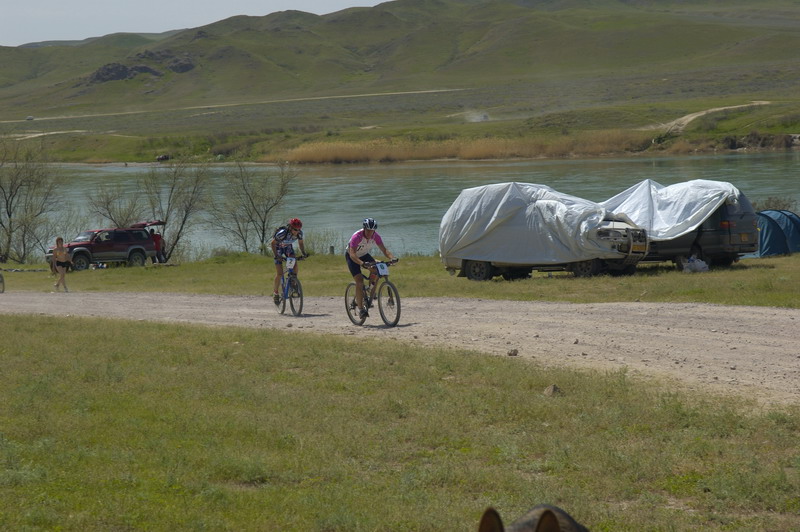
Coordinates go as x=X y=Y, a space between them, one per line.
x=613 y=62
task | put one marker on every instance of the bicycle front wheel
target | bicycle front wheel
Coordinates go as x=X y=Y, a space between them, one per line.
x=280 y=306
x=295 y=296
x=389 y=303
x=350 y=305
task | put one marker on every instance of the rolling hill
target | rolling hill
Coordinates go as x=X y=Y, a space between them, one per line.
x=509 y=60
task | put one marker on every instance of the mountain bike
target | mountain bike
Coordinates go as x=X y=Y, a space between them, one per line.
x=376 y=286
x=291 y=289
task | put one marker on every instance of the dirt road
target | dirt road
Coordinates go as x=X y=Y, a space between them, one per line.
x=679 y=124
x=752 y=351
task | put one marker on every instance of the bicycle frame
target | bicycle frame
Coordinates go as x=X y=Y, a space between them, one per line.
x=382 y=272
x=387 y=295
x=291 y=289
x=288 y=271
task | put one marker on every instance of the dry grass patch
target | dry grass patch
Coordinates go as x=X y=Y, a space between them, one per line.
x=385 y=149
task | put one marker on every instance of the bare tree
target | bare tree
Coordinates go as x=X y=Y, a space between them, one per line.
x=27 y=196
x=245 y=209
x=66 y=222
x=176 y=194
x=120 y=207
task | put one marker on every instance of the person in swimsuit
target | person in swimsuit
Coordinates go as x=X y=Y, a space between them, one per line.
x=61 y=260
x=357 y=254
x=282 y=247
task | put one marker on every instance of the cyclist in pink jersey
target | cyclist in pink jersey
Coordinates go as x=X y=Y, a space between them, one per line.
x=357 y=254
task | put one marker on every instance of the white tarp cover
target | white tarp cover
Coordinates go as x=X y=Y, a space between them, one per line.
x=671 y=211
x=522 y=223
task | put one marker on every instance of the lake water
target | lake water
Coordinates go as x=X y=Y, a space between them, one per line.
x=409 y=199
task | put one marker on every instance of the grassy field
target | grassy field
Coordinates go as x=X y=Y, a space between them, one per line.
x=761 y=282
x=371 y=129
x=111 y=425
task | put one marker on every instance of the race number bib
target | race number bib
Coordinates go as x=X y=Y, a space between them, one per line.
x=383 y=269
x=290 y=262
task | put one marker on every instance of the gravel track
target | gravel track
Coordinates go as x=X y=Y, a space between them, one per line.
x=750 y=351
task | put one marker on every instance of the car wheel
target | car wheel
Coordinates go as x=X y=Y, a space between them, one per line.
x=137 y=258
x=80 y=262
x=477 y=270
x=586 y=268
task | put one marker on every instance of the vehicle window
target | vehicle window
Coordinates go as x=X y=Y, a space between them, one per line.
x=84 y=237
x=140 y=235
x=738 y=205
x=122 y=236
x=103 y=236
x=712 y=222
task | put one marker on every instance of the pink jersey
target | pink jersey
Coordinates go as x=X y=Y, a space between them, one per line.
x=362 y=244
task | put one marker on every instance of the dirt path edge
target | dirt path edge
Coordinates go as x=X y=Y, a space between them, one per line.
x=747 y=351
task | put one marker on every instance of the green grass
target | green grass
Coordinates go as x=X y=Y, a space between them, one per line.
x=114 y=424
x=510 y=132
x=761 y=282
x=171 y=427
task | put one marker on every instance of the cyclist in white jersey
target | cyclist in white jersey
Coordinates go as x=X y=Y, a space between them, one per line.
x=282 y=247
x=357 y=254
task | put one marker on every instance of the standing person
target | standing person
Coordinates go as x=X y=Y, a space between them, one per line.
x=61 y=260
x=357 y=254
x=162 y=255
x=157 y=240
x=283 y=246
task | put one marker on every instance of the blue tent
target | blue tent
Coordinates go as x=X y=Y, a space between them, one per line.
x=778 y=233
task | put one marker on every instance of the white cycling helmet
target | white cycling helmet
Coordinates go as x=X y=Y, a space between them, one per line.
x=370 y=223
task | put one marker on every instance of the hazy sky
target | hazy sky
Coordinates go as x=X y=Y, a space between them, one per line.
x=25 y=21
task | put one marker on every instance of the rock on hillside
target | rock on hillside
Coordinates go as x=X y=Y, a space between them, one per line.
x=119 y=71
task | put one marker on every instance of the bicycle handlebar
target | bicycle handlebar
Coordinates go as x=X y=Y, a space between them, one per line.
x=386 y=262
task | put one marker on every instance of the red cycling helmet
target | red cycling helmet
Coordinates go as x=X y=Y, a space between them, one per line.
x=296 y=223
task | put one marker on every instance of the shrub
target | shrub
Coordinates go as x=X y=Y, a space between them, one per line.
x=775 y=203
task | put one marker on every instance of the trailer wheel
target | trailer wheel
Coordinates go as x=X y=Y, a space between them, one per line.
x=477 y=270
x=587 y=268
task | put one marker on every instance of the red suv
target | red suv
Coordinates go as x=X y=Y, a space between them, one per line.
x=132 y=245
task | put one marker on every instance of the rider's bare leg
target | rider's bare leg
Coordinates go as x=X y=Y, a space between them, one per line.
x=359 y=279
x=373 y=283
x=277 y=283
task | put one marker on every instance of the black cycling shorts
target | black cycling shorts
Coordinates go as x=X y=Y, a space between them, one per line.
x=354 y=268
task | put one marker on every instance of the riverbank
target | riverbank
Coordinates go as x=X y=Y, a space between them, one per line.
x=491 y=140
x=597 y=146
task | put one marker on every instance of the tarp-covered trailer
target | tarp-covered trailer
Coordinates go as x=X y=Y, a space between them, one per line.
x=709 y=220
x=511 y=229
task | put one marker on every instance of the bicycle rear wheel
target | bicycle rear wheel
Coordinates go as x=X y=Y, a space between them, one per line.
x=389 y=303
x=295 y=295
x=353 y=312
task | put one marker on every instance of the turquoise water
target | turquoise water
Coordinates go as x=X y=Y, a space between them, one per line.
x=409 y=199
